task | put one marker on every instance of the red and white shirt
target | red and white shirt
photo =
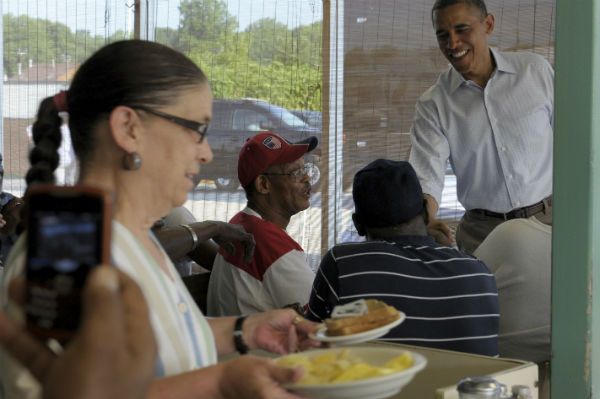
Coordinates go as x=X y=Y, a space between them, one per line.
x=277 y=276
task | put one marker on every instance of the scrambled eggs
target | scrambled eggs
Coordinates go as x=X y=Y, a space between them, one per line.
x=336 y=367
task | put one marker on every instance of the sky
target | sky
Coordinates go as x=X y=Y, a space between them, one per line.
x=92 y=14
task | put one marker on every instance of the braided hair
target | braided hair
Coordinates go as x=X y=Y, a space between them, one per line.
x=47 y=137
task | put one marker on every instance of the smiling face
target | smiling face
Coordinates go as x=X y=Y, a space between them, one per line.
x=462 y=34
x=289 y=195
x=173 y=154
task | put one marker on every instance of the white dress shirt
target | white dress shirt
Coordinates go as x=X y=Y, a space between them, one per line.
x=498 y=138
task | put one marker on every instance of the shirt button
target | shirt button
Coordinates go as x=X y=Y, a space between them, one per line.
x=182 y=307
x=503 y=148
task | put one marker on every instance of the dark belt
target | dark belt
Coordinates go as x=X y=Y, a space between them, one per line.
x=525 y=212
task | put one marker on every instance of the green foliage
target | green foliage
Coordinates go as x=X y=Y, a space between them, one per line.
x=42 y=42
x=204 y=23
x=267 y=60
x=270 y=41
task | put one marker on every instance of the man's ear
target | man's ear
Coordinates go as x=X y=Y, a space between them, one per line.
x=125 y=128
x=262 y=184
x=489 y=24
x=360 y=228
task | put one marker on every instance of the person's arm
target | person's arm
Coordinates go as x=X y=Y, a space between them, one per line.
x=179 y=242
x=429 y=153
x=114 y=307
x=279 y=331
x=205 y=254
x=246 y=377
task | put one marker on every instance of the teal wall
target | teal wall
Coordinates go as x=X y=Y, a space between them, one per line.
x=576 y=240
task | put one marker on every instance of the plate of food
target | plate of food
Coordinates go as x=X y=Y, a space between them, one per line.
x=353 y=373
x=358 y=321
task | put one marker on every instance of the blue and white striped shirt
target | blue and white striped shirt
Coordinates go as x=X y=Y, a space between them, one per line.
x=449 y=298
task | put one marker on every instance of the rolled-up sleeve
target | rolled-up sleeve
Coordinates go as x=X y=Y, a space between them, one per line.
x=429 y=148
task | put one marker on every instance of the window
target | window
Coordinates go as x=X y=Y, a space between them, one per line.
x=264 y=59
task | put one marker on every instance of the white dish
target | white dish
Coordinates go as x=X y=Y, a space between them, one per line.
x=369 y=335
x=372 y=388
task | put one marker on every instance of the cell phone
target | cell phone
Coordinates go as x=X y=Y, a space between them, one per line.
x=68 y=234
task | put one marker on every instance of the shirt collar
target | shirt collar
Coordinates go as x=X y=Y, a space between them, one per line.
x=502 y=65
x=251 y=212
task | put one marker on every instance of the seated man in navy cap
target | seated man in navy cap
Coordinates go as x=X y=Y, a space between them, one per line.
x=271 y=170
x=449 y=298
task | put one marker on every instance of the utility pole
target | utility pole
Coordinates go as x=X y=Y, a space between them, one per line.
x=137 y=18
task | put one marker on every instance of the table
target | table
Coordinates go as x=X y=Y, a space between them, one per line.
x=445 y=368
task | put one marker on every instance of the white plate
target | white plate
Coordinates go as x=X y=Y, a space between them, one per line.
x=371 y=388
x=364 y=336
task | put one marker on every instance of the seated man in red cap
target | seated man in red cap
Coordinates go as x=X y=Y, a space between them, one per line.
x=271 y=170
x=449 y=298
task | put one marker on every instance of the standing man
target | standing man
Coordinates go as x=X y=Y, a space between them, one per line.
x=271 y=170
x=449 y=298
x=491 y=115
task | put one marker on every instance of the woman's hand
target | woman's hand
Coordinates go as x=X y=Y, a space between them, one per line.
x=279 y=331
x=256 y=378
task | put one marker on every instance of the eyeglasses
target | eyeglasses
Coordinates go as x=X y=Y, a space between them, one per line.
x=197 y=127
x=297 y=174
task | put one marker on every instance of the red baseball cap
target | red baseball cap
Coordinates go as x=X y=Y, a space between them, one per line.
x=266 y=149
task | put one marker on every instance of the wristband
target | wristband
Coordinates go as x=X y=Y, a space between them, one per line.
x=238 y=338
x=193 y=234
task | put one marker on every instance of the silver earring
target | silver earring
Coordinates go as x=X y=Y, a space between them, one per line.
x=132 y=161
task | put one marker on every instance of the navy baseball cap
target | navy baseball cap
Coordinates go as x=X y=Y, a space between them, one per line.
x=387 y=193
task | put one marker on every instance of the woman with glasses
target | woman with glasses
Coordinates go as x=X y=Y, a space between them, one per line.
x=138 y=115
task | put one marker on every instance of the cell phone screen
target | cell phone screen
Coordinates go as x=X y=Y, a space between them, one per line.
x=65 y=241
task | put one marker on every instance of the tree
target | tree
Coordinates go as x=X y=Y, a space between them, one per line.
x=43 y=41
x=307 y=41
x=206 y=20
x=168 y=36
x=271 y=41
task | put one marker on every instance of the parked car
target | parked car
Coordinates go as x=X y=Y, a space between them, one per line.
x=312 y=118
x=234 y=121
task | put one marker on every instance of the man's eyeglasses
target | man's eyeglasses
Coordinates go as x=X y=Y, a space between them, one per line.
x=297 y=174
x=197 y=127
